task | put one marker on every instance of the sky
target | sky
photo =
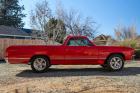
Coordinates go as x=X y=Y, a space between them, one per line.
x=106 y=13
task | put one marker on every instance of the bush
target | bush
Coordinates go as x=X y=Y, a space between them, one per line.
x=129 y=43
x=133 y=44
x=137 y=54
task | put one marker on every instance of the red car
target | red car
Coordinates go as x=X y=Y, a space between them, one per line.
x=76 y=50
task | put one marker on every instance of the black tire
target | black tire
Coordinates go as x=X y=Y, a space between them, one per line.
x=115 y=65
x=45 y=64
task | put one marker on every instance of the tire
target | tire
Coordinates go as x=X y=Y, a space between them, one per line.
x=40 y=64
x=115 y=63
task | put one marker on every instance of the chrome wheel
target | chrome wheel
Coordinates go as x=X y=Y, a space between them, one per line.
x=116 y=63
x=39 y=64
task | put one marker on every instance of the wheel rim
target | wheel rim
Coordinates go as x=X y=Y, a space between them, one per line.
x=116 y=63
x=39 y=64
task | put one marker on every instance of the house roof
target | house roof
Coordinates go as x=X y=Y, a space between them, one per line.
x=6 y=30
x=29 y=31
x=102 y=37
x=138 y=37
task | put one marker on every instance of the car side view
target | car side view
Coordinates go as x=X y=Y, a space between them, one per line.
x=76 y=50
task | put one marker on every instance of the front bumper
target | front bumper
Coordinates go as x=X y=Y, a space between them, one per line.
x=132 y=59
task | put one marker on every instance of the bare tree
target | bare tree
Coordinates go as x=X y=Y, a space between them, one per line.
x=74 y=23
x=50 y=28
x=69 y=22
x=123 y=33
x=40 y=16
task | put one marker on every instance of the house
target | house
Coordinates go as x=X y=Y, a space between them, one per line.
x=104 y=40
x=15 y=33
x=19 y=33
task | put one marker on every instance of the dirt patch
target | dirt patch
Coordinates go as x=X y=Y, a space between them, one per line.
x=75 y=85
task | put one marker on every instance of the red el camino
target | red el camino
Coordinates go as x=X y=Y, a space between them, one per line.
x=76 y=50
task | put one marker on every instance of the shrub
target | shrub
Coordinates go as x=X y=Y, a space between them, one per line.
x=129 y=43
x=133 y=43
x=137 y=54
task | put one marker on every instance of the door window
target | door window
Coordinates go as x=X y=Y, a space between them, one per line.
x=79 y=42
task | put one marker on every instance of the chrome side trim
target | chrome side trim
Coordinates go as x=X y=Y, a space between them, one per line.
x=76 y=58
x=62 y=58
x=16 y=58
x=81 y=58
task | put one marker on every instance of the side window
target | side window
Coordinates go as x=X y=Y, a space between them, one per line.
x=73 y=42
x=79 y=42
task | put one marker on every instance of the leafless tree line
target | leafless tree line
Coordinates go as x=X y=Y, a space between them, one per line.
x=123 y=32
x=73 y=22
x=39 y=17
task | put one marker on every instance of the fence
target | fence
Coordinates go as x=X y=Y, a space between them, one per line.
x=5 y=43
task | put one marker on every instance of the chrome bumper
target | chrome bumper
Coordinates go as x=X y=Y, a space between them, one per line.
x=6 y=59
x=133 y=57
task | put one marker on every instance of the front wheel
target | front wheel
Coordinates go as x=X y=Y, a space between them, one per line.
x=40 y=64
x=115 y=63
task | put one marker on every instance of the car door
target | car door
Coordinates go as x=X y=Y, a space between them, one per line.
x=80 y=51
x=57 y=55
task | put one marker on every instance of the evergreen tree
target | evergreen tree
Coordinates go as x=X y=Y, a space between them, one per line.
x=11 y=13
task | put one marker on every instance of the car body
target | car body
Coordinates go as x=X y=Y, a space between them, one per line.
x=76 y=50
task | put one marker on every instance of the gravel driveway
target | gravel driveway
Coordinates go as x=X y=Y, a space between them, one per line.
x=69 y=79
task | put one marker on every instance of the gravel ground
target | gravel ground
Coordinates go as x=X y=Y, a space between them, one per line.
x=69 y=79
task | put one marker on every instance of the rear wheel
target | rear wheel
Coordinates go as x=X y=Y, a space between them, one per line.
x=40 y=64
x=115 y=63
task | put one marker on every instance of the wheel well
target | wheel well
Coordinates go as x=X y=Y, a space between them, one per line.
x=121 y=54
x=39 y=56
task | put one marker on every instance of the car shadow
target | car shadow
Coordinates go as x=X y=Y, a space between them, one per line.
x=53 y=72
x=2 y=61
